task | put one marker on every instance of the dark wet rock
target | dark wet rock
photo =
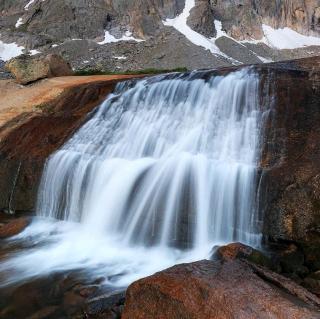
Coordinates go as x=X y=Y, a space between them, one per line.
x=88 y=291
x=105 y=302
x=292 y=261
x=45 y=313
x=72 y=302
x=27 y=69
x=208 y=289
x=13 y=227
x=312 y=284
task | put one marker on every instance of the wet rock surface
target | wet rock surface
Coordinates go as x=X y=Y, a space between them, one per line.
x=59 y=296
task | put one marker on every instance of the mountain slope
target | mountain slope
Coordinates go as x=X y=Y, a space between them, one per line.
x=120 y=35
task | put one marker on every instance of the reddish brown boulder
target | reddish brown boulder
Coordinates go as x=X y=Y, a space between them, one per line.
x=13 y=227
x=222 y=290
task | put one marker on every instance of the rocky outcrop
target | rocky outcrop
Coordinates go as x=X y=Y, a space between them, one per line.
x=220 y=289
x=34 y=122
x=27 y=69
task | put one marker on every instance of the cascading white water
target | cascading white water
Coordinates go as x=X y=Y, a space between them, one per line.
x=165 y=154
x=164 y=162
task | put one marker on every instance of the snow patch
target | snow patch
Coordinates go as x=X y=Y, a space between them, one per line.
x=287 y=38
x=109 y=38
x=9 y=50
x=180 y=24
x=19 y=23
x=264 y=60
x=34 y=52
x=120 y=57
x=29 y=4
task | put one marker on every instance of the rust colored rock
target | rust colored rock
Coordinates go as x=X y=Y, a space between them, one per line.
x=214 y=290
x=27 y=69
x=14 y=227
x=240 y=251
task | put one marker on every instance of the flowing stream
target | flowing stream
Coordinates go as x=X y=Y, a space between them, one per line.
x=162 y=171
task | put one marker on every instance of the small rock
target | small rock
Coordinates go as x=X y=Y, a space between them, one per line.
x=14 y=227
x=240 y=251
x=88 y=291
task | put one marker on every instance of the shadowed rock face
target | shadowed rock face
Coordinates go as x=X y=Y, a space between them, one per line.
x=221 y=290
x=290 y=189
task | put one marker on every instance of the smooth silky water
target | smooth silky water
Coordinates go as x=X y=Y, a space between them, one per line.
x=162 y=171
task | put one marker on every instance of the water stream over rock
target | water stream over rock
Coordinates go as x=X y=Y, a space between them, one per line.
x=162 y=171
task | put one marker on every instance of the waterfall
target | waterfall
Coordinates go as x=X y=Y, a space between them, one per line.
x=162 y=171
x=169 y=160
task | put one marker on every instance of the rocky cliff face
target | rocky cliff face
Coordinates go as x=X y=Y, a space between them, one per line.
x=60 y=26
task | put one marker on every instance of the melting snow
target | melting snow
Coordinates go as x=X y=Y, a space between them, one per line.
x=180 y=24
x=29 y=4
x=120 y=57
x=19 y=23
x=34 y=52
x=287 y=38
x=277 y=38
x=109 y=38
x=9 y=50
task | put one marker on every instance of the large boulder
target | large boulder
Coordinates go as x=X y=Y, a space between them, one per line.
x=219 y=290
x=27 y=69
